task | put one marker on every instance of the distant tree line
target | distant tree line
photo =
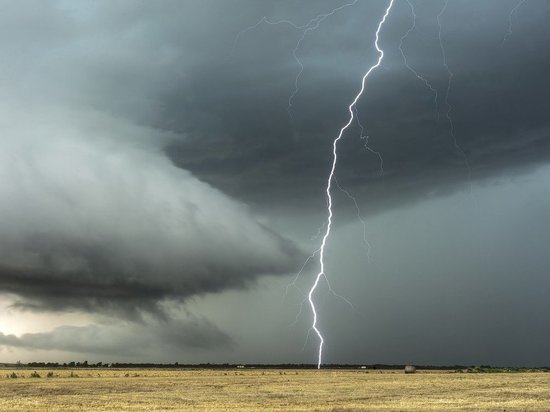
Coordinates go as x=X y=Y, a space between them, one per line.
x=176 y=365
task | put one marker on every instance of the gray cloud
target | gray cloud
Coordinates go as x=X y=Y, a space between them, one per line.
x=131 y=128
x=124 y=340
x=284 y=158
x=94 y=217
x=175 y=66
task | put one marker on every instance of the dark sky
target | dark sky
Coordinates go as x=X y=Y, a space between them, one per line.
x=159 y=194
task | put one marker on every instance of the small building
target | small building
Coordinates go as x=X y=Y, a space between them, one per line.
x=410 y=369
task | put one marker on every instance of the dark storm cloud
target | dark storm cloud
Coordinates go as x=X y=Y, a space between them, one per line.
x=94 y=216
x=242 y=140
x=123 y=340
x=177 y=66
x=127 y=126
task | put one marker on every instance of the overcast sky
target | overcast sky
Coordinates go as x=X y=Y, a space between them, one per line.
x=163 y=166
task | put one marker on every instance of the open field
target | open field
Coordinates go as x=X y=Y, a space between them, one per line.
x=254 y=389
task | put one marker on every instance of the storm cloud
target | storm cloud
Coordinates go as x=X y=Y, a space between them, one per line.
x=282 y=157
x=222 y=92
x=124 y=340
x=94 y=216
x=149 y=156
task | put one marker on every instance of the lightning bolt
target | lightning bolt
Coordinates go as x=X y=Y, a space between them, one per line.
x=365 y=137
x=310 y=26
x=408 y=66
x=510 y=22
x=316 y=22
x=359 y=217
x=325 y=230
x=448 y=115
x=321 y=273
x=450 y=76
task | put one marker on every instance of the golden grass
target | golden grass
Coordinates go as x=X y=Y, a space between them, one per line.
x=282 y=390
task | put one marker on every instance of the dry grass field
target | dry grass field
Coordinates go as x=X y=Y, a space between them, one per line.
x=282 y=390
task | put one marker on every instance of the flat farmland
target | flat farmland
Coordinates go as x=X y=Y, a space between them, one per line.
x=277 y=390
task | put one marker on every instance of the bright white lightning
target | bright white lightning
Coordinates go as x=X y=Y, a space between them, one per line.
x=311 y=25
x=351 y=107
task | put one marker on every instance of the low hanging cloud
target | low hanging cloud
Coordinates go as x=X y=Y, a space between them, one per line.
x=94 y=217
x=124 y=340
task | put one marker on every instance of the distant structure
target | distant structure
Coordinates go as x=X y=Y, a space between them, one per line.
x=410 y=369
